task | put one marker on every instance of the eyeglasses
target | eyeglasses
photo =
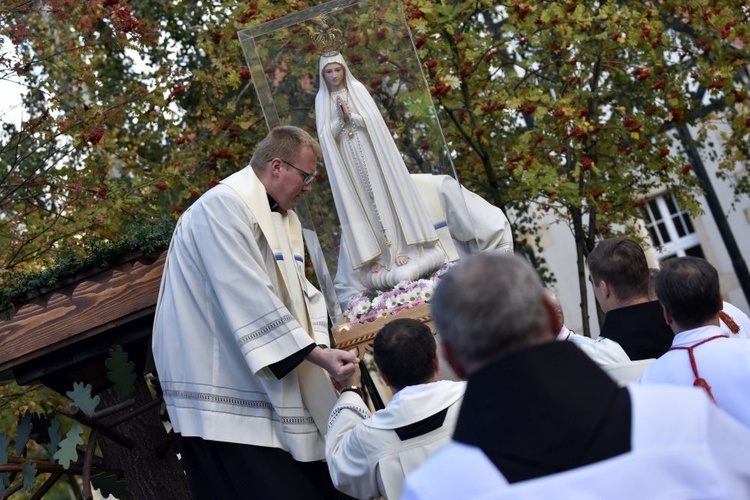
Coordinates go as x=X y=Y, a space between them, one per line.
x=306 y=178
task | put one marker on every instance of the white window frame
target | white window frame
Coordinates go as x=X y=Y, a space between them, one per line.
x=677 y=245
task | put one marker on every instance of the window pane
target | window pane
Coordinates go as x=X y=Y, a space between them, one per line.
x=664 y=233
x=653 y=211
x=688 y=223
x=670 y=227
x=671 y=204
x=679 y=226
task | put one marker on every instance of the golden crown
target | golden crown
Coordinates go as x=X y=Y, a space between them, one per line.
x=327 y=40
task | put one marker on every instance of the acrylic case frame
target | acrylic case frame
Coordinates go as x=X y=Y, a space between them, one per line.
x=379 y=48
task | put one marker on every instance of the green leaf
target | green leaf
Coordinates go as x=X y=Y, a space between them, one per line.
x=28 y=473
x=120 y=372
x=54 y=437
x=23 y=433
x=68 y=451
x=81 y=396
x=110 y=485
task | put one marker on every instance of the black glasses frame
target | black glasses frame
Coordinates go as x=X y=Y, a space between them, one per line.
x=306 y=178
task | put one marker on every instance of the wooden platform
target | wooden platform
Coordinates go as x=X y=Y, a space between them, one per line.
x=359 y=337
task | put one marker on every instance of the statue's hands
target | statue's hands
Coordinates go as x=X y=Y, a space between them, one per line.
x=345 y=116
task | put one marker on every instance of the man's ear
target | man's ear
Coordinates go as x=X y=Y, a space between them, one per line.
x=555 y=321
x=452 y=360
x=274 y=167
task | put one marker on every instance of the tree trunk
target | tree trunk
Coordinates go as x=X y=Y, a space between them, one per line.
x=151 y=468
x=579 y=236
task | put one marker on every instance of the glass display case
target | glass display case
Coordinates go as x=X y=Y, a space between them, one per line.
x=372 y=41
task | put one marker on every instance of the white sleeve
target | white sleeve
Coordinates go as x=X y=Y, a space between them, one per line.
x=605 y=351
x=318 y=314
x=348 y=463
x=337 y=125
x=472 y=220
x=222 y=234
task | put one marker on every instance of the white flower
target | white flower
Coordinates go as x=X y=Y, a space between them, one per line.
x=404 y=295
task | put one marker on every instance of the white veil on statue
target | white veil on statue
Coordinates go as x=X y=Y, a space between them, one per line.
x=382 y=217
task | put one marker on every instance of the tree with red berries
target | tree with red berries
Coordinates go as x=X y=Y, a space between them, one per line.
x=574 y=107
x=133 y=108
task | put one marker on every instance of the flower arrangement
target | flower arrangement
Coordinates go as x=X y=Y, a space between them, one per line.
x=369 y=305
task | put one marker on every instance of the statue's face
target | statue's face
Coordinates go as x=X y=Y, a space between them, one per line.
x=334 y=75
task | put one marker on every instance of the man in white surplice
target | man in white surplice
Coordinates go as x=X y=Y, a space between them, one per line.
x=369 y=455
x=702 y=353
x=540 y=419
x=239 y=334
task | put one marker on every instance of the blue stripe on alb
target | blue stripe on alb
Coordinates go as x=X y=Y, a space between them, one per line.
x=441 y=224
x=299 y=258
x=279 y=256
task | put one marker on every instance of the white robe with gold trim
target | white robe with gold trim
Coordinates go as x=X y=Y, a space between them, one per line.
x=233 y=301
x=380 y=213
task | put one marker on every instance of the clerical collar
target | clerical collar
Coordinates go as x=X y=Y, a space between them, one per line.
x=273 y=203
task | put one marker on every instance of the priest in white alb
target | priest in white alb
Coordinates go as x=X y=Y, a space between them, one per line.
x=240 y=335
x=702 y=354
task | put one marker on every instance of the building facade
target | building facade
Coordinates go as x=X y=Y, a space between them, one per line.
x=672 y=233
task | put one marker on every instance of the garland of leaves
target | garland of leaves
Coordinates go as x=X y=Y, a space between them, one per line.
x=95 y=253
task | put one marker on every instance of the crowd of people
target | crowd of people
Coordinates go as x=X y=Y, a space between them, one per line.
x=541 y=419
x=264 y=407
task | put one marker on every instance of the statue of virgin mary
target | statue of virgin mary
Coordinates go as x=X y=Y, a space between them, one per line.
x=385 y=227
